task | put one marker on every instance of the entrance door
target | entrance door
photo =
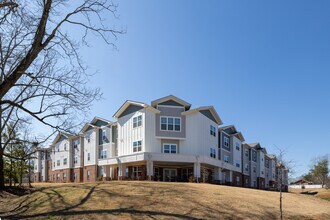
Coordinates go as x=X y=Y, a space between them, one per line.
x=170 y=175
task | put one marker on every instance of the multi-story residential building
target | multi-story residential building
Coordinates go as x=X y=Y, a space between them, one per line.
x=270 y=170
x=41 y=165
x=164 y=141
x=230 y=152
x=246 y=165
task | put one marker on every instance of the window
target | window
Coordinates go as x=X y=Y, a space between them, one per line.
x=246 y=153
x=54 y=164
x=103 y=154
x=246 y=167
x=88 y=138
x=58 y=148
x=89 y=156
x=65 y=147
x=170 y=148
x=65 y=161
x=254 y=183
x=170 y=124
x=64 y=176
x=42 y=166
x=58 y=162
x=226 y=142
x=75 y=161
x=238 y=163
x=137 y=146
x=212 y=131
x=58 y=176
x=254 y=169
x=137 y=121
x=75 y=144
x=74 y=176
x=262 y=172
x=237 y=146
x=104 y=135
x=212 y=152
x=226 y=158
x=137 y=172
x=254 y=156
x=88 y=174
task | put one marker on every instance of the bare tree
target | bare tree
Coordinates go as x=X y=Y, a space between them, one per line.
x=283 y=167
x=42 y=75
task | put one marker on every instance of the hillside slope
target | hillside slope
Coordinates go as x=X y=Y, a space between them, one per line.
x=157 y=200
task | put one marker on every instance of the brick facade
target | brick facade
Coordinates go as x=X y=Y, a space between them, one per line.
x=260 y=183
x=61 y=176
x=92 y=171
x=77 y=175
x=246 y=181
x=237 y=179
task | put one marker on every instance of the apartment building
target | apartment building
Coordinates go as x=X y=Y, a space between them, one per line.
x=165 y=140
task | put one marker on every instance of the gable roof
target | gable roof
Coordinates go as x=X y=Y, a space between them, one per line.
x=59 y=135
x=235 y=132
x=214 y=115
x=86 y=126
x=165 y=99
x=96 y=119
x=129 y=103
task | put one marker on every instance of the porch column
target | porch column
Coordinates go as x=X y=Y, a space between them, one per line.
x=150 y=169
x=106 y=173
x=197 y=170
x=231 y=176
x=121 y=171
x=112 y=172
x=218 y=174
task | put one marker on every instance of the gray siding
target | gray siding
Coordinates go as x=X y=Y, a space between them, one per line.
x=171 y=103
x=245 y=160
x=208 y=114
x=171 y=112
x=100 y=123
x=169 y=141
x=130 y=109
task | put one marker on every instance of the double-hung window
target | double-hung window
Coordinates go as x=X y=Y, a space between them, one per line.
x=65 y=161
x=212 y=130
x=237 y=146
x=65 y=147
x=88 y=156
x=246 y=167
x=75 y=144
x=246 y=152
x=75 y=161
x=137 y=121
x=170 y=124
x=212 y=152
x=58 y=162
x=238 y=164
x=226 y=158
x=137 y=146
x=170 y=148
x=103 y=153
x=226 y=143
x=104 y=135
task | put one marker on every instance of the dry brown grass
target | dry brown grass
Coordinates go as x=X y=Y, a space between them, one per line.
x=157 y=200
x=321 y=193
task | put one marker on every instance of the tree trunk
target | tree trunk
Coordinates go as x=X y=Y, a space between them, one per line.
x=2 y=175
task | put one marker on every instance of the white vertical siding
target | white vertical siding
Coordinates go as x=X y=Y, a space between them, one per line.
x=127 y=134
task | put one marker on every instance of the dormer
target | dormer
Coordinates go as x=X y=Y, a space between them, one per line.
x=171 y=101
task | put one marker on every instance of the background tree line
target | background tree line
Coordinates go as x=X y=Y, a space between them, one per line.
x=319 y=171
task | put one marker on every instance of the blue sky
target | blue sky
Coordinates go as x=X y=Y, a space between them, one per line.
x=264 y=66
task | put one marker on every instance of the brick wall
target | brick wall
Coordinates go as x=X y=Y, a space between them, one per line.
x=93 y=173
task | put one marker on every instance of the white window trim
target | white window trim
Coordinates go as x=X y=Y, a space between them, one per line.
x=170 y=144
x=137 y=121
x=163 y=116
x=137 y=146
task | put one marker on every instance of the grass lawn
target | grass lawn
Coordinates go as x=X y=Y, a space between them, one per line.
x=321 y=193
x=157 y=200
